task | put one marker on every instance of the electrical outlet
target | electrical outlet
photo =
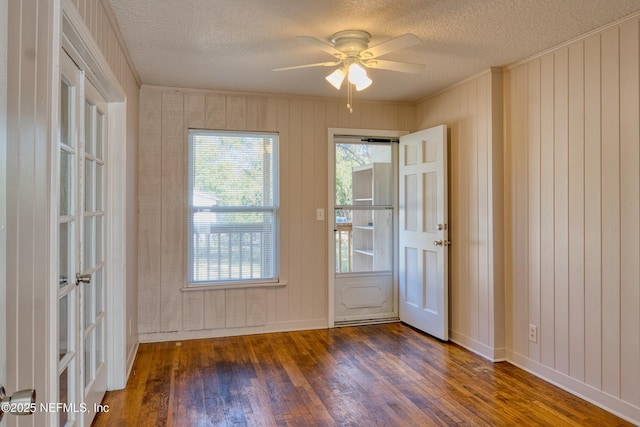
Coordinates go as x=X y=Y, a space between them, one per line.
x=533 y=333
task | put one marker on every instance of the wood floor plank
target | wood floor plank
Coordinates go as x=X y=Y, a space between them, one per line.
x=379 y=375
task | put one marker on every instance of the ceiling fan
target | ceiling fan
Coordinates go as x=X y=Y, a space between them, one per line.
x=352 y=52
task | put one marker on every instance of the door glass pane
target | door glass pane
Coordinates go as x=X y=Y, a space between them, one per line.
x=364 y=175
x=65 y=112
x=99 y=192
x=99 y=234
x=64 y=334
x=88 y=242
x=364 y=240
x=88 y=303
x=88 y=185
x=98 y=288
x=65 y=253
x=364 y=237
x=88 y=128
x=99 y=134
x=99 y=344
x=344 y=247
x=88 y=363
x=66 y=183
x=63 y=394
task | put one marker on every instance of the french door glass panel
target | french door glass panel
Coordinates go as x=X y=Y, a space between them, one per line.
x=81 y=238
x=67 y=234
x=93 y=239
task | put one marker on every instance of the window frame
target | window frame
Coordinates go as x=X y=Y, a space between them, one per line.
x=274 y=279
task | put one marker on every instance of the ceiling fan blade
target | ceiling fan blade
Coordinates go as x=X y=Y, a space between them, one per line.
x=322 y=45
x=403 y=67
x=392 y=45
x=317 y=64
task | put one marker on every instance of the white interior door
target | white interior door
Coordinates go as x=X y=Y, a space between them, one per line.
x=80 y=317
x=423 y=239
x=93 y=327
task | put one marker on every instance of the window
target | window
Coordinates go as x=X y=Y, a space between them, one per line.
x=233 y=203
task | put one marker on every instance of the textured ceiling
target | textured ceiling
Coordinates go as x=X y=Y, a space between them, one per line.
x=235 y=44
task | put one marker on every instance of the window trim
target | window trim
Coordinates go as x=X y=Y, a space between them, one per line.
x=274 y=281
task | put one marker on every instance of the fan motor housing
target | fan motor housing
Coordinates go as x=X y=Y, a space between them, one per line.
x=351 y=42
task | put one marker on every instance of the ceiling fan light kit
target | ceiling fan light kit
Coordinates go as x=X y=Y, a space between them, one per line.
x=351 y=49
x=358 y=77
x=336 y=78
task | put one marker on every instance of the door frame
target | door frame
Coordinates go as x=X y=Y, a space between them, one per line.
x=330 y=217
x=77 y=41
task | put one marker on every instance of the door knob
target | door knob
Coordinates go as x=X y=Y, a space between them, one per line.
x=438 y=243
x=21 y=402
x=82 y=278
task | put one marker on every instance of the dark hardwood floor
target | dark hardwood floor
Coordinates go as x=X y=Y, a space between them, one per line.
x=380 y=375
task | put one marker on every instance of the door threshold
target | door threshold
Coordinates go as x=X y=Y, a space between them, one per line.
x=366 y=322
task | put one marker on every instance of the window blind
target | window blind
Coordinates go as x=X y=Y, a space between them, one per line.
x=233 y=207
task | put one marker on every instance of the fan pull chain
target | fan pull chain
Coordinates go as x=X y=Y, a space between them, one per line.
x=349 y=96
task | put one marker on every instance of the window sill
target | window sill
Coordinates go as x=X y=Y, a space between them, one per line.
x=215 y=287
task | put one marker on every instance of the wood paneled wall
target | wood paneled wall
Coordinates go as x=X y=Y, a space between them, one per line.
x=103 y=27
x=168 y=312
x=545 y=224
x=27 y=211
x=473 y=112
x=573 y=216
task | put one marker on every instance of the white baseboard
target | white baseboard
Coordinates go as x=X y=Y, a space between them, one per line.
x=584 y=391
x=232 y=332
x=131 y=358
x=492 y=354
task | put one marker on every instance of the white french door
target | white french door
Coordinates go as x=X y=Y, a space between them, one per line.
x=81 y=313
x=424 y=231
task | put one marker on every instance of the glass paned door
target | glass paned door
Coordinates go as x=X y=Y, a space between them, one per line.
x=67 y=237
x=80 y=234
x=364 y=230
x=92 y=259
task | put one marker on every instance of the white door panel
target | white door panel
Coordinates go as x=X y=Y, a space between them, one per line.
x=360 y=298
x=423 y=231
